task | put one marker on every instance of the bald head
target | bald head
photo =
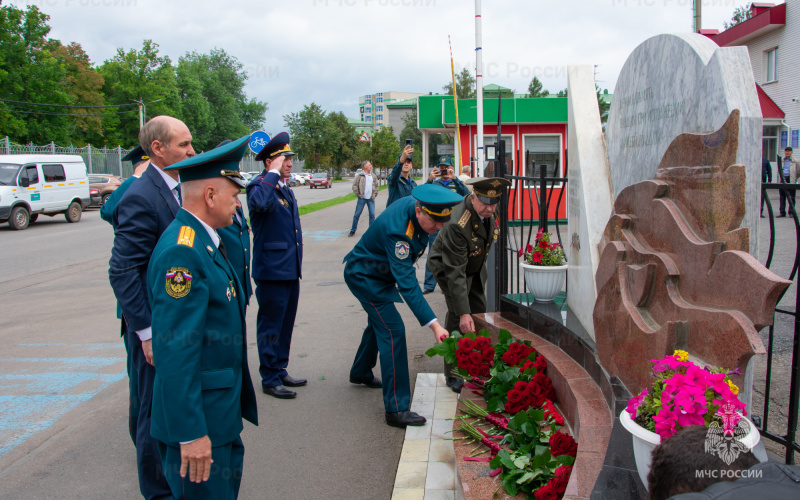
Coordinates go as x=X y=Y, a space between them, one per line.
x=214 y=201
x=166 y=140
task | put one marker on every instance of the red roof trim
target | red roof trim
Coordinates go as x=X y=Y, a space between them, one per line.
x=773 y=16
x=768 y=107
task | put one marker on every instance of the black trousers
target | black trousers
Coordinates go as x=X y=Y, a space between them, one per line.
x=786 y=193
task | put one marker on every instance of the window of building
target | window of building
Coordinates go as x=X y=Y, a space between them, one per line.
x=379 y=108
x=367 y=118
x=379 y=98
x=772 y=65
x=379 y=118
x=489 y=170
x=368 y=99
x=769 y=142
x=53 y=173
x=542 y=152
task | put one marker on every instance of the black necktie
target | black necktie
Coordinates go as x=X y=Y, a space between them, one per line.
x=177 y=191
x=486 y=225
x=222 y=250
x=285 y=190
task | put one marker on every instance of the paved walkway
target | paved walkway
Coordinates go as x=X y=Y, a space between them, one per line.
x=329 y=443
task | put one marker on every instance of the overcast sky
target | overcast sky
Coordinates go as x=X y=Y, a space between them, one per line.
x=333 y=51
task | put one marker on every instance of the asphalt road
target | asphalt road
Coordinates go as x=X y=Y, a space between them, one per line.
x=63 y=388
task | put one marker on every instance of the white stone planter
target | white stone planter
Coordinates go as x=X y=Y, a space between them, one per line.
x=544 y=282
x=645 y=441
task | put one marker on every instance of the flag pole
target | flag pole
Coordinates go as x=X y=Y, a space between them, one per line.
x=455 y=105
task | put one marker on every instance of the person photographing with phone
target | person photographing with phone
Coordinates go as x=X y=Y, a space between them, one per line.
x=400 y=181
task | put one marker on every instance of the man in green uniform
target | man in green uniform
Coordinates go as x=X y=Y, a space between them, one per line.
x=202 y=387
x=379 y=271
x=458 y=258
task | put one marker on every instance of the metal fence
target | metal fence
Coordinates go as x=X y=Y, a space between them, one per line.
x=98 y=160
x=787 y=440
x=533 y=196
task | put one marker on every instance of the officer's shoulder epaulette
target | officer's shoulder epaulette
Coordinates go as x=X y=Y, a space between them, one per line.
x=186 y=236
x=410 y=230
x=464 y=219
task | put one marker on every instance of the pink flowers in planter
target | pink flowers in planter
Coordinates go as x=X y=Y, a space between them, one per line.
x=685 y=394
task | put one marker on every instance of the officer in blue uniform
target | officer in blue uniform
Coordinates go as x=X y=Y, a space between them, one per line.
x=446 y=177
x=399 y=180
x=236 y=238
x=202 y=388
x=379 y=271
x=277 y=263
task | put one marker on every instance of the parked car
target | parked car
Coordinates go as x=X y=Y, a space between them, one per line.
x=105 y=184
x=97 y=200
x=42 y=184
x=321 y=180
x=300 y=180
x=305 y=176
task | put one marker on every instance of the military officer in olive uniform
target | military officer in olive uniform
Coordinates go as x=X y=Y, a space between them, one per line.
x=458 y=257
x=202 y=387
x=379 y=271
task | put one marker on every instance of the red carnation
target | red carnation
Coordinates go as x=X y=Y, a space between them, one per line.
x=562 y=444
x=488 y=354
x=546 y=492
x=466 y=343
x=482 y=343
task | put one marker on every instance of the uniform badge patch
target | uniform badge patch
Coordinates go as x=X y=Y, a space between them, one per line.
x=496 y=232
x=186 y=236
x=410 y=230
x=284 y=203
x=464 y=219
x=401 y=249
x=179 y=282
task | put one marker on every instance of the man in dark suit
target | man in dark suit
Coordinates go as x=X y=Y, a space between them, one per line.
x=148 y=207
x=202 y=386
x=140 y=163
x=277 y=263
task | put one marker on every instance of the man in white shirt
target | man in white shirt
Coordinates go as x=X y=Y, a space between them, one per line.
x=365 y=186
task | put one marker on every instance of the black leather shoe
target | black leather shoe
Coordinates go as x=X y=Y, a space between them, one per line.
x=403 y=418
x=782 y=215
x=374 y=383
x=457 y=385
x=290 y=381
x=426 y=292
x=351 y=233
x=279 y=392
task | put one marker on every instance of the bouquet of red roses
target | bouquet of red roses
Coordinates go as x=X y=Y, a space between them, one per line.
x=475 y=357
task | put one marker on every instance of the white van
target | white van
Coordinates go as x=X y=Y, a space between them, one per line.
x=42 y=184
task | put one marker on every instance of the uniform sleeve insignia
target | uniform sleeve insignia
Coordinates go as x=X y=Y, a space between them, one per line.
x=410 y=230
x=401 y=250
x=179 y=282
x=464 y=219
x=186 y=236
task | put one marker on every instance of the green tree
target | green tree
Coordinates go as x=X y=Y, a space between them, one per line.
x=563 y=93
x=602 y=105
x=310 y=131
x=213 y=103
x=740 y=15
x=30 y=71
x=133 y=76
x=84 y=85
x=346 y=140
x=385 y=150
x=465 y=85
x=535 y=89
